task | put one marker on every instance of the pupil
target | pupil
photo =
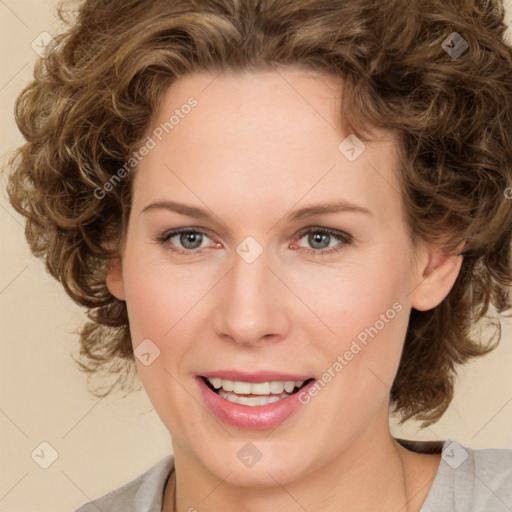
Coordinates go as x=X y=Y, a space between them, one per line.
x=190 y=237
x=317 y=238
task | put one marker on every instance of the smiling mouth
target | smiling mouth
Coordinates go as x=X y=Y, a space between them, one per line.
x=252 y=393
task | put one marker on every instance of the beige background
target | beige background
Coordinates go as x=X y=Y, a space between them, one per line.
x=103 y=443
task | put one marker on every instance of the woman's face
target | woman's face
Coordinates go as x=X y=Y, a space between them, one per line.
x=274 y=290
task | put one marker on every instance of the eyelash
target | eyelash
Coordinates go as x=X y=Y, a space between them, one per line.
x=345 y=238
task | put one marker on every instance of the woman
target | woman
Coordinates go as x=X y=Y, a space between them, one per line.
x=286 y=217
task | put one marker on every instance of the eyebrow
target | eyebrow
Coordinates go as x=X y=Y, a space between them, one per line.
x=302 y=213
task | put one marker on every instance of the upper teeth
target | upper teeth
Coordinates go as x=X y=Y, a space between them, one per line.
x=256 y=388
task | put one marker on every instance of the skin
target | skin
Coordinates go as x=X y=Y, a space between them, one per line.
x=258 y=146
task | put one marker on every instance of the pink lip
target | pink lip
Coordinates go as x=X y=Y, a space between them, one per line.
x=256 y=418
x=262 y=376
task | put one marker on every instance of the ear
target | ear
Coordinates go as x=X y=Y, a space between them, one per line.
x=436 y=276
x=114 y=277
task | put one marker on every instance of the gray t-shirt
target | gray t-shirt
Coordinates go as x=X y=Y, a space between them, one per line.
x=467 y=480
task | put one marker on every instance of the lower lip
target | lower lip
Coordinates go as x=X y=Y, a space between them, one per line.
x=258 y=417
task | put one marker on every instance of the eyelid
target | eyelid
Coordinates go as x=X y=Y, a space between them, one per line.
x=333 y=232
x=343 y=238
x=171 y=233
x=298 y=234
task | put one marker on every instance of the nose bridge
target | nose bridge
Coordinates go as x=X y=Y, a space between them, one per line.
x=249 y=308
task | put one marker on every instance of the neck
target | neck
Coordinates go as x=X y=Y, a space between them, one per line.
x=372 y=473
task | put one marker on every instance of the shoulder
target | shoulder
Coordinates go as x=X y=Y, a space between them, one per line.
x=144 y=492
x=470 y=479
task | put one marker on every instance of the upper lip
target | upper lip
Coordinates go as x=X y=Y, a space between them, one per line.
x=261 y=376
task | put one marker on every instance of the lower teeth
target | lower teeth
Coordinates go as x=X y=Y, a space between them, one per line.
x=251 y=401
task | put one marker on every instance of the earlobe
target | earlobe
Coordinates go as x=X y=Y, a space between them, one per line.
x=436 y=279
x=114 y=278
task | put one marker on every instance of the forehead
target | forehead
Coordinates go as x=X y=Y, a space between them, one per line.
x=263 y=135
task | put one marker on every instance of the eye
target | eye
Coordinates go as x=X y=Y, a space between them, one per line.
x=189 y=238
x=319 y=239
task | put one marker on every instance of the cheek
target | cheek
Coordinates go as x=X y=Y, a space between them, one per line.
x=355 y=309
x=159 y=295
x=157 y=311
x=364 y=318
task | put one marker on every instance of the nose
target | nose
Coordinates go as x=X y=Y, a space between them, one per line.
x=252 y=303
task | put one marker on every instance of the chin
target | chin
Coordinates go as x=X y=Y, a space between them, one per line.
x=272 y=469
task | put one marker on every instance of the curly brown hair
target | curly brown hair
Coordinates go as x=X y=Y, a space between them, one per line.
x=93 y=98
